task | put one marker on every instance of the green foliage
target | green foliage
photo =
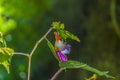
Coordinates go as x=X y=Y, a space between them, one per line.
x=71 y=64
x=2 y=41
x=75 y=64
x=7 y=25
x=53 y=50
x=11 y=13
x=58 y=25
x=5 y=54
x=16 y=8
x=64 y=33
x=5 y=57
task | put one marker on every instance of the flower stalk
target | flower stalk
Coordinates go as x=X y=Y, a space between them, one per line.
x=57 y=73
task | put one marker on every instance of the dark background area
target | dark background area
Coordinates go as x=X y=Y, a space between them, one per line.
x=95 y=22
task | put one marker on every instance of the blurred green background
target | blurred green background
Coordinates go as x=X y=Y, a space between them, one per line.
x=96 y=22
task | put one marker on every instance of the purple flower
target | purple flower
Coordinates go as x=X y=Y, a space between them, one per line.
x=61 y=53
x=61 y=48
x=61 y=56
x=67 y=49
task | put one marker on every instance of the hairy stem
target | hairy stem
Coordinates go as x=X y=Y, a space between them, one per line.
x=33 y=50
x=57 y=73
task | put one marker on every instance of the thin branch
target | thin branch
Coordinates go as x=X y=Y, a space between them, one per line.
x=34 y=48
x=57 y=73
x=39 y=41
x=29 y=67
x=46 y=39
x=19 y=53
x=114 y=18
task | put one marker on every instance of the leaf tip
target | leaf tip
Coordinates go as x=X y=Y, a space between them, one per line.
x=78 y=40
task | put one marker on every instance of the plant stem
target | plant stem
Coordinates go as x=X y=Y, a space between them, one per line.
x=19 y=53
x=39 y=41
x=29 y=67
x=57 y=73
x=33 y=50
x=114 y=17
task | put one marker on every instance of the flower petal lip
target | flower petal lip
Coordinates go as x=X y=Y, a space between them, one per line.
x=62 y=57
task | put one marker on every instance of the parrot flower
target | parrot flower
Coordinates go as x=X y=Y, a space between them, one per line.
x=61 y=48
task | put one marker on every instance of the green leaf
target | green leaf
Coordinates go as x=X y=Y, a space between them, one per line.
x=5 y=57
x=5 y=53
x=2 y=41
x=66 y=34
x=70 y=64
x=53 y=50
x=8 y=25
x=6 y=65
x=58 y=25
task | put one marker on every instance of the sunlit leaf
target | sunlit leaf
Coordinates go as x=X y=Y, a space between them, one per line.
x=2 y=41
x=5 y=57
x=53 y=50
x=1 y=9
x=7 y=25
x=70 y=64
x=6 y=65
x=93 y=77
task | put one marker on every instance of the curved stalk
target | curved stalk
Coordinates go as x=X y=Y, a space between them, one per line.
x=19 y=53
